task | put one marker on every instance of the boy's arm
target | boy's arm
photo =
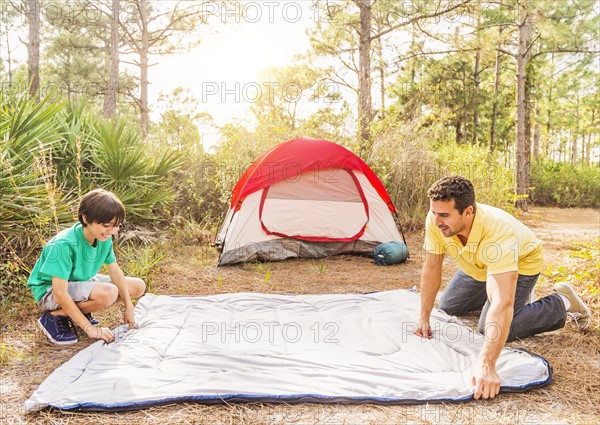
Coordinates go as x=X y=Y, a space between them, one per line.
x=118 y=278
x=66 y=303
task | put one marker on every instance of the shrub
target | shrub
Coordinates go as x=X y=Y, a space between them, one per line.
x=563 y=185
x=50 y=154
x=124 y=165
x=33 y=205
x=409 y=158
x=199 y=194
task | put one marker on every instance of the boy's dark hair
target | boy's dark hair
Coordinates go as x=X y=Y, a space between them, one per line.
x=101 y=206
x=454 y=187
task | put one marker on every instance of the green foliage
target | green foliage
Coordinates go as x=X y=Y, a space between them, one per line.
x=410 y=158
x=492 y=179
x=32 y=201
x=258 y=265
x=124 y=165
x=178 y=125
x=585 y=275
x=268 y=275
x=13 y=277
x=140 y=260
x=199 y=189
x=53 y=152
x=320 y=267
x=14 y=292
x=177 y=130
x=74 y=55
x=32 y=205
x=72 y=155
x=184 y=231
x=565 y=185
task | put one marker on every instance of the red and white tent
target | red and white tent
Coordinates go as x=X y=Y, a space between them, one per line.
x=306 y=198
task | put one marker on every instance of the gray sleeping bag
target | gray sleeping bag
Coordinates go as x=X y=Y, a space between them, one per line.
x=349 y=348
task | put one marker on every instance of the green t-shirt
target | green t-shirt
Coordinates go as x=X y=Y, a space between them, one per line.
x=69 y=256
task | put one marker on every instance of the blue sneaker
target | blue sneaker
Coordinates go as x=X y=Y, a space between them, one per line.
x=91 y=319
x=58 y=329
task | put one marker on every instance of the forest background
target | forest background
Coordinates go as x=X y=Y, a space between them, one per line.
x=506 y=93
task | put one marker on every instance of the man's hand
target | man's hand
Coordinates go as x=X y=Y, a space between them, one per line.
x=485 y=381
x=423 y=329
x=97 y=332
x=431 y=278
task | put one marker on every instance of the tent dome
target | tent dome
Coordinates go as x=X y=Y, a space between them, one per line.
x=306 y=198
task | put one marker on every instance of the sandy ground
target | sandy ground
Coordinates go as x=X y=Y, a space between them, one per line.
x=574 y=397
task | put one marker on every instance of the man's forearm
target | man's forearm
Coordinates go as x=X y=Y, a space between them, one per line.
x=431 y=280
x=497 y=327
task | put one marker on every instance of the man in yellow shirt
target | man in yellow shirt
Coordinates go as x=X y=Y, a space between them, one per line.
x=499 y=261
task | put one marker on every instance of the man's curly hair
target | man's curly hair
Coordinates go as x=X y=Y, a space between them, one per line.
x=453 y=187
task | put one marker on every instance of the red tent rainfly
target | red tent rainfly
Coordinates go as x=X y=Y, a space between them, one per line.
x=306 y=198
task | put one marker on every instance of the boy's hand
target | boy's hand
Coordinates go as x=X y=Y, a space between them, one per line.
x=97 y=332
x=130 y=318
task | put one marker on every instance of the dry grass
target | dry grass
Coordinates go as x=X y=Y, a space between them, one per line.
x=574 y=397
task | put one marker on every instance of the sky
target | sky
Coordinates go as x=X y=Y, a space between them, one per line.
x=223 y=71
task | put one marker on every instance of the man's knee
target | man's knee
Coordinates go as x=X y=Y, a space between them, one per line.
x=447 y=305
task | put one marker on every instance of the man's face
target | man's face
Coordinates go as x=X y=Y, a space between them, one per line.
x=447 y=218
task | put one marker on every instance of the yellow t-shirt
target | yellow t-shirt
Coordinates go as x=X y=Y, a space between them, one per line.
x=497 y=243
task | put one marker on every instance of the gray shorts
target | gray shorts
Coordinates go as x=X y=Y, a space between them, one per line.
x=79 y=291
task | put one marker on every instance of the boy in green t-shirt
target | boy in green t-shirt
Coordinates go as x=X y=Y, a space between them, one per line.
x=65 y=280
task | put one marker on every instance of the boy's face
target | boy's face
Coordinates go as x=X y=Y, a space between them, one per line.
x=100 y=231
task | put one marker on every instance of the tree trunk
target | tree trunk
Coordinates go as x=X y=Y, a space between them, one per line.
x=364 y=77
x=476 y=98
x=495 y=103
x=145 y=46
x=536 y=134
x=381 y=76
x=71 y=95
x=522 y=142
x=589 y=144
x=561 y=151
x=588 y=148
x=110 y=99
x=529 y=83
x=457 y=127
x=583 y=149
x=464 y=114
x=9 y=60
x=477 y=81
x=33 y=48
x=575 y=138
x=549 y=113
